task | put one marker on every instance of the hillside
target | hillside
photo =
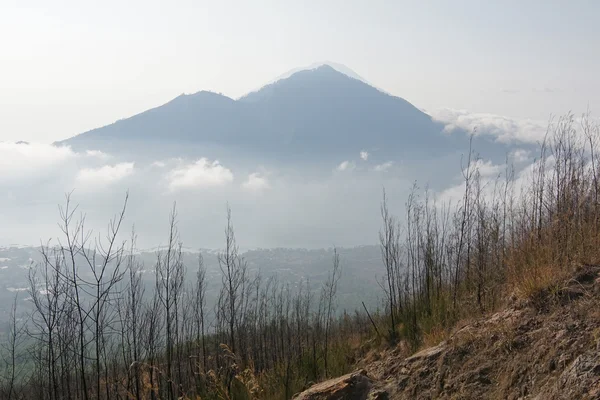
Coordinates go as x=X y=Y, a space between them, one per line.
x=547 y=347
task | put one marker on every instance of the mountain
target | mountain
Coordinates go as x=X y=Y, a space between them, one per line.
x=309 y=115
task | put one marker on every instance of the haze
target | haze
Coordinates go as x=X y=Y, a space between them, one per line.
x=70 y=66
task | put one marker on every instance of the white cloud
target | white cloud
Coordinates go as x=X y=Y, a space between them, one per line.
x=383 y=167
x=256 y=182
x=12 y=289
x=487 y=168
x=106 y=174
x=520 y=155
x=504 y=129
x=364 y=155
x=202 y=173
x=452 y=195
x=159 y=164
x=489 y=172
x=21 y=159
x=346 y=166
x=97 y=154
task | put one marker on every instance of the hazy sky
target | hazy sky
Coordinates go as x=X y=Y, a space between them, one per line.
x=69 y=66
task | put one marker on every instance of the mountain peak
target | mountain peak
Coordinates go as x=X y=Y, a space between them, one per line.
x=316 y=78
x=317 y=68
x=325 y=65
x=323 y=71
x=341 y=68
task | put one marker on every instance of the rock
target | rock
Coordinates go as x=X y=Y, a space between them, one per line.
x=378 y=395
x=429 y=353
x=354 y=386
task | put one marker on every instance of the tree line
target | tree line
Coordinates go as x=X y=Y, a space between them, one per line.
x=97 y=332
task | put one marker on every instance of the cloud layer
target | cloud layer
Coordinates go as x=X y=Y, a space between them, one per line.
x=106 y=174
x=336 y=203
x=503 y=129
x=256 y=182
x=202 y=173
x=272 y=206
x=346 y=166
x=21 y=160
x=383 y=167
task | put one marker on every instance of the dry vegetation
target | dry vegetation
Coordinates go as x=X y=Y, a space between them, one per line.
x=96 y=333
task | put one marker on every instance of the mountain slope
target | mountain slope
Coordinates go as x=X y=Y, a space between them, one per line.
x=201 y=116
x=545 y=348
x=325 y=107
x=312 y=112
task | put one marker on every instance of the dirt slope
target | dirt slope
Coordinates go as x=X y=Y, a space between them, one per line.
x=545 y=348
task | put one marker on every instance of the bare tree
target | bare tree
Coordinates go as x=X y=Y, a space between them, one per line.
x=328 y=294
x=169 y=278
x=233 y=269
x=12 y=348
x=48 y=295
x=104 y=261
x=465 y=215
x=131 y=321
x=199 y=308
x=151 y=337
x=389 y=243
x=71 y=249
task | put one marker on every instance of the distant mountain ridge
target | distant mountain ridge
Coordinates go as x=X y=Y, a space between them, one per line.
x=311 y=114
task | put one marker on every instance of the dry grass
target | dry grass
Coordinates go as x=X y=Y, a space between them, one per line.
x=529 y=282
x=434 y=337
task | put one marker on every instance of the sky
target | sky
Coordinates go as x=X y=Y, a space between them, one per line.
x=70 y=66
